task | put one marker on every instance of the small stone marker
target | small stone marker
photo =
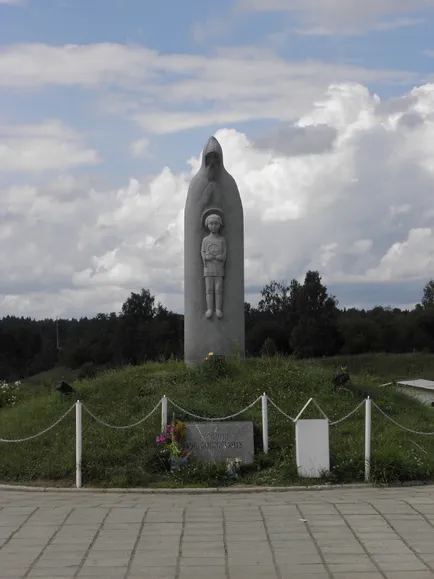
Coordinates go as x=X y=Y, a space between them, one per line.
x=217 y=441
x=312 y=447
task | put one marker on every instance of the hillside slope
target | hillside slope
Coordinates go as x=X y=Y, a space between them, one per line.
x=128 y=457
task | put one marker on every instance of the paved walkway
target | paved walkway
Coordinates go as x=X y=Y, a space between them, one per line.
x=340 y=534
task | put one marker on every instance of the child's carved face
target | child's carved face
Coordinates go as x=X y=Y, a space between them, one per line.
x=214 y=225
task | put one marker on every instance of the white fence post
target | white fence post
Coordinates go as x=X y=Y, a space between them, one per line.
x=265 y=423
x=368 y=405
x=163 y=414
x=78 y=443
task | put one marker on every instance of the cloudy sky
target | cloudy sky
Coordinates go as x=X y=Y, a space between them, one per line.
x=324 y=109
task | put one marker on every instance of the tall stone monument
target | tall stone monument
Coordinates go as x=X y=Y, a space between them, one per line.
x=213 y=261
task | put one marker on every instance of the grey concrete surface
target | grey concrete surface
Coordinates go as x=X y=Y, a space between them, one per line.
x=342 y=534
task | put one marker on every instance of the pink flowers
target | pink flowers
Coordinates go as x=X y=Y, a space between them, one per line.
x=161 y=439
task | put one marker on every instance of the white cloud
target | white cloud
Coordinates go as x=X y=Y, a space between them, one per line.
x=409 y=258
x=166 y=93
x=140 y=148
x=44 y=147
x=343 y=16
x=36 y=65
x=15 y=2
x=358 y=209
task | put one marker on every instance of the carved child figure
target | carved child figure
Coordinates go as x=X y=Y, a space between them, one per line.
x=214 y=258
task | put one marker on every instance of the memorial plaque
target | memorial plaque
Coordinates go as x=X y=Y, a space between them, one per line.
x=216 y=441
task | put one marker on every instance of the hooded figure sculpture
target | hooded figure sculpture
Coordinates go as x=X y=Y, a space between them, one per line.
x=213 y=261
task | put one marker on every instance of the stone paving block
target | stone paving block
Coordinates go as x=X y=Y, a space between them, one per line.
x=297 y=559
x=355 y=509
x=250 y=572
x=99 y=573
x=160 y=559
x=288 y=574
x=374 y=575
x=66 y=573
x=347 y=560
x=217 y=530
x=59 y=562
x=77 y=535
x=206 y=538
x=409 y=575
x=316 y=508
x=306 y=571
x=306 y=550
x=385 y=547
x=424 y=547
x=104 y=572
x=107 y=561
x=399 y=562
x=121 y=527
x=158 y=544
x=121 y=554
x=167 y=532
x=202 y=573
x=210 y=562
x=120 y=575
x=245 y=537
x=241 y=528
x=244 y=545
x=24 y=510
x=348 y=567
x=243 y=518
x=296 y=538
x=31 y=576
x=248 y=558
x=150 y=573
x=196 y=551
x=354 y=549
x=349 y=541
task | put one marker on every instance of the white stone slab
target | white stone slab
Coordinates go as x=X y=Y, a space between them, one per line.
x=419 y=383
x=312 y=447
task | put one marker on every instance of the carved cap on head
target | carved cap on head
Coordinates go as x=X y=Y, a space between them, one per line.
x=212 y=146
x=213 y=217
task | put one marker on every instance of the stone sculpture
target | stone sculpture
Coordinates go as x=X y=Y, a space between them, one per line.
x=214 y=256
x=213 y=263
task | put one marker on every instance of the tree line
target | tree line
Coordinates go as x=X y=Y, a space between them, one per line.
x=300 y=319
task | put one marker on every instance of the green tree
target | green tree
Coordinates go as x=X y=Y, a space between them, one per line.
x=428 y=295
x=316 y=332
x=140 y=306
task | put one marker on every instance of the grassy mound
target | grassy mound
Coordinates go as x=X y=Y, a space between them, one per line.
x=388 y=366
x=129 y=458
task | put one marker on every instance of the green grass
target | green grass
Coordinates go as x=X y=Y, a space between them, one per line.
x=115 y=458
x=50 y=376
x=45 y=382
x=389 y=366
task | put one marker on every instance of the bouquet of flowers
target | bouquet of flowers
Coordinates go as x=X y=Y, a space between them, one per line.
x=170 y=444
